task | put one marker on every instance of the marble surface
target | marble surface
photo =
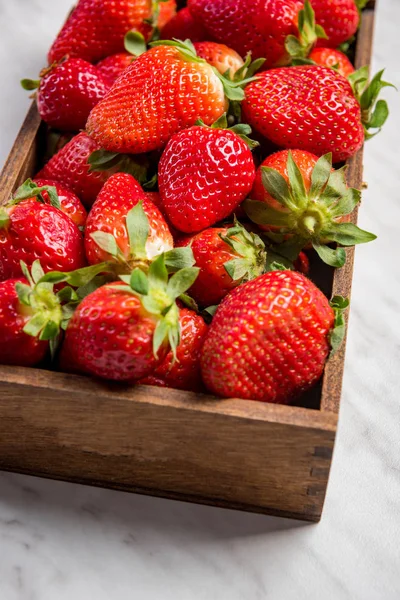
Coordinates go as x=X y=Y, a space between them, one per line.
x=61 y=541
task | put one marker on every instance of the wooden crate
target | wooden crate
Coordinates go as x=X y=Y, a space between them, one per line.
x=232 y=453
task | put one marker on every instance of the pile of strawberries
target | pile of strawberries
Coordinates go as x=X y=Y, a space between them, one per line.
x=188 y=182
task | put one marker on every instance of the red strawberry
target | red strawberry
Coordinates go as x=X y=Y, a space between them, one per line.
x=96 y=29
x=269 y=339
x=112 y=66
x=119 y=239
x=204 y=174
x=69 y=202
x=122 y=331
x=257 y=26
x=67 y=92
x=183 y=373
x=165 y=90
x=340 y=20
x=307 y=201
x=328 y=57
x=221 y=57
x=183 y=27
x=226 y=257
x=313 y=108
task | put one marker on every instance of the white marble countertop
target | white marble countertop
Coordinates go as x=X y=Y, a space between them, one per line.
x=61 y=541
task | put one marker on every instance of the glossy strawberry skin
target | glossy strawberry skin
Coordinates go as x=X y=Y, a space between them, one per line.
x=268 y=340
x=256 y=26
x=16 y=348
x=68 y=92
x=203 y=175
x=211 y=253
x=38 y=231
x=184 y=373
x=70 y=203
x=112 y=66
x=219 y=56
x=96 y=29
x=119 y=195
x=183 y=26
x=308 y=107
x=71 y=168
x=329 y=57
x=340 y=20
x=111 y=335
x=158 y=95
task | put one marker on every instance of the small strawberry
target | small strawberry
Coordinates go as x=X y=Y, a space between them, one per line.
x=183 y=373
x=166 y=89
x=204 y=174
x=329 y=57
x=224 y=59
x=67 y=92
x=270 y=338
x=112 y=66
x=116 y=232
x=184 y=27
x=226 y=258
x=340 y=20
x=315 y=109
x=96 y=29
x=123 y=331
x=308 y=208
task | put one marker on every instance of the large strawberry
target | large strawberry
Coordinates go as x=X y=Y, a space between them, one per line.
x=269 y=339
x=96 y=29
x=184 y=372
x=166 y=89
x=226 y=257
x=307 y=202
x=123 y=331
x=339 y=19
x=67 y=92
x=183 y=26
x=204 y=174
x=116 y=232
x=314 y=108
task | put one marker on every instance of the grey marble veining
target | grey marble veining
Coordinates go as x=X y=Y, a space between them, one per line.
x=60 y=541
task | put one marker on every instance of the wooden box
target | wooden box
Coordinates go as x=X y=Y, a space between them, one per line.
x=231 y=453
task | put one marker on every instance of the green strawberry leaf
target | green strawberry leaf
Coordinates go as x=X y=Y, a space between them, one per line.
x=179 y=258
x=137 y=224
x=30 y=84
x=335 y=257
x=296 y=182
x=24 y=293
x=262 y=214
x=347 y=234
x=139 y=282
x=189 y=302
x=106 y=242
x=320 y=175
x=336 y=337
x=158 y=274
x=135 y=43
x=181 y=281
x=277 y=186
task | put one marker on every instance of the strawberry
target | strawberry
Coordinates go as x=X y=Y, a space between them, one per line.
x=112 y=66
x=257 y=26
x=226 y=257
x=96 y=29
x=307 y=202
x=67 y=92
x=204 y=174
x=123 y=331
x=340 y=20
x=270 y=338
x=184 y=373
x=224 y=59
x=115 y=232
x=183 y=27
x=165 y=90
x=314 y=108
x=329 y=57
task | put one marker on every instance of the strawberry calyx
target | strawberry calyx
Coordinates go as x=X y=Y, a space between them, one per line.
x=29 y=189
x=374 y=111
x=337 y=334
x=135 y=43
x=158 y=294
x=251 y=253
x=115 y=162
x=310 y=216
x=298 y=48
x=241 y=129
x=153 y=19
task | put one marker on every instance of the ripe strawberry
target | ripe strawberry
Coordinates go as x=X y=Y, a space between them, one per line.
x=31 y=230
x=257 y=26
x=184 y=27
x=221 y=57
x=340 y=20
x=115 y=232
x=69 y=203
x=328 y=57
x=226 y=258
x=67 y=92
x=123 y=331
x=96 y=29
x=112 y=66
x=315 y=109
x=184 y=373
x=269 y=339
x=165 y=90
x=204 y=174
x=308 y=204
